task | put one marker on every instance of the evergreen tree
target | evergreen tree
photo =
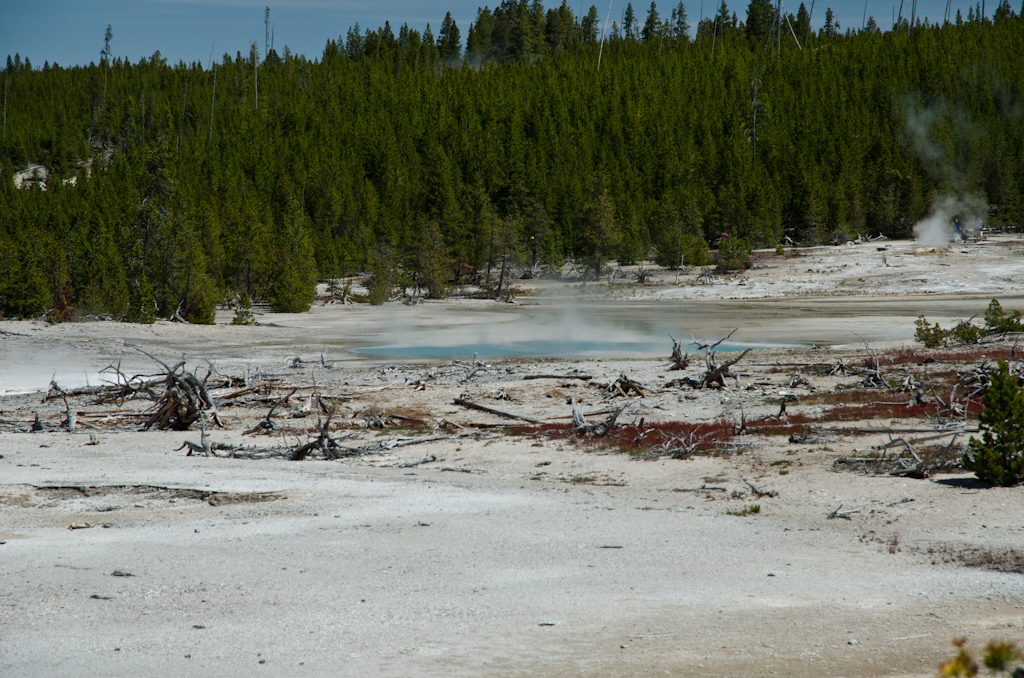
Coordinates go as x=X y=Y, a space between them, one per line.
x=680 y=28
x=760 y=17
x=293 y=275
x=723 y=14
x=598 y=237
x=998 y=458
x=433 y=263
x=630 y=27
x=1003 y=12
x=802 y=25
x=560 y=28
x=652 y=27
x=830 y=29
x=589 y=26
x=383 y=276
x=449 y=45
x=355 y=43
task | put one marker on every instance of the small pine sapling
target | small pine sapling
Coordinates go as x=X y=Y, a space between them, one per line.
x=998 y=458
x=998 y=320
x=932 y=336
x=243 y=310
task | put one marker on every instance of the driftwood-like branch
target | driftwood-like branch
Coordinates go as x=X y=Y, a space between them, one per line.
x=184 y=400
x=623 y=386
x=582 y=377
x=924 y=467
x=329 y=448
x=425 y=460
x=680 y=360
x=267 y=424
x=474 y=367
x=710 y=347
x=599 y=429
x=718 y=375
x=323 y=442
x=595 y=413
x=873 y=368
x=204 y=447
x=845 y=515
x=783 y=401
x=473 y=406
x=682 y=446
x=758 y=492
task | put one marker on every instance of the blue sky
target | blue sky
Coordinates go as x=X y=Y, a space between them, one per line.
x=70 y=32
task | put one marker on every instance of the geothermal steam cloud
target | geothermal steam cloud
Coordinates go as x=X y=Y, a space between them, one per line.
x=937 y=229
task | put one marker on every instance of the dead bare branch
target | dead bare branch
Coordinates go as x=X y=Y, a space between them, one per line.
x=473 y=406
x=599 y=429
x=680 y=360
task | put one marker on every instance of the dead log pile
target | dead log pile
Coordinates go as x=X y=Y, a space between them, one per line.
x=624 y=386
x=184 y=401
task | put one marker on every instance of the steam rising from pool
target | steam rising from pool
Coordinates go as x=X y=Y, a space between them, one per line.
x=559 y=330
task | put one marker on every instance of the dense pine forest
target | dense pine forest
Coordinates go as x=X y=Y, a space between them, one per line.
x=175 y=186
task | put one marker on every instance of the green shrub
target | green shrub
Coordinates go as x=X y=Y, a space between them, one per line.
x=243 y=309
x=966 y=333
x=930 y=336
x=693 y=248
x=997 y=320
x=998 y=458
x=293 y=290
x=141 y=302
x=382 y=278
x=999 y=657
x=733 y=254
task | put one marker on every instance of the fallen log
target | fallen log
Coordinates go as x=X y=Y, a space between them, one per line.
x=267 y=423
x=586 y=414
x=489 y=410
x=582 y=377
x=425 y=460
x=845 y=515
x=758 y=492
x=624 y=386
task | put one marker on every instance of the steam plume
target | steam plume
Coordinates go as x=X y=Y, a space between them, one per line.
x=937 y=228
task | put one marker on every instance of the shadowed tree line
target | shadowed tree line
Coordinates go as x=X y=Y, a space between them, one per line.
x=172 y=187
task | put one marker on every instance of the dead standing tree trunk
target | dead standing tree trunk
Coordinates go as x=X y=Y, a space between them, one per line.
x=873 y=368
x=680 y=360
x=717 y=374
